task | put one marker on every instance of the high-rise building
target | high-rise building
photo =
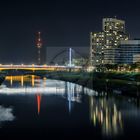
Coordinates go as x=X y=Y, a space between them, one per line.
x=113 y=31
x=97 y=41
x=113 y=24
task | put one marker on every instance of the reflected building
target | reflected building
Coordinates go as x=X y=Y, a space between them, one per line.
x=104 y=113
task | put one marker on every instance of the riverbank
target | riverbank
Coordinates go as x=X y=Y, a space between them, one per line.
x=125 y=83
x=2 y=78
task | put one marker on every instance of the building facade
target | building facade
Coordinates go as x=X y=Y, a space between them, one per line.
x=128 y=52
x=97 y=41
x=103 y=43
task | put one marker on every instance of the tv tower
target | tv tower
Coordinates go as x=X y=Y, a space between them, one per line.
x=39 y=46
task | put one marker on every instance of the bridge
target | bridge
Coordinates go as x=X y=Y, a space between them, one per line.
x=45 y=67
x=38 y=67
x=51 y=71
x=38 y=70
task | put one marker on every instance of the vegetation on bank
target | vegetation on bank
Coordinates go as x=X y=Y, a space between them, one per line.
x=127 y=83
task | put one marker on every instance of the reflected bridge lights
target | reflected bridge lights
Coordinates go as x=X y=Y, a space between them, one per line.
x=46 y=87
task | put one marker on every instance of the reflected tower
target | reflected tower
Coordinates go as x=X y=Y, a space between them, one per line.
x=38 y=97
x=38 y=103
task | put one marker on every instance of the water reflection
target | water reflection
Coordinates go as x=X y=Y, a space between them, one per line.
x=70 y=91
x=38 y=103
x=73 y=94
x=18 y=78
x=104 y=112
x=38 y=96
x=6 y=114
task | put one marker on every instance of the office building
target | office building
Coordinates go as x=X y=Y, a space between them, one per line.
x=113 y=31
x=128 y=52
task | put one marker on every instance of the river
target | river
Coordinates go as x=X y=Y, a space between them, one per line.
x=31 y=107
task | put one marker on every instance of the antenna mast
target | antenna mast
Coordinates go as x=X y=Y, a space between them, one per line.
x=39 y=46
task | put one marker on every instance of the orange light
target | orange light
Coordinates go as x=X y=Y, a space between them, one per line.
x=38 y=103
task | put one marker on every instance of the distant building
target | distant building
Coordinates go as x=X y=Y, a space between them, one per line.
x=113 y=31
x=80 y=62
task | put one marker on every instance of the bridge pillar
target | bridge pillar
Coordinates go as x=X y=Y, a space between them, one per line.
x=33 y=80
x=22 y=80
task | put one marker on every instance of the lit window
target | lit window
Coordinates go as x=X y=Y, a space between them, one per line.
x=94 y=35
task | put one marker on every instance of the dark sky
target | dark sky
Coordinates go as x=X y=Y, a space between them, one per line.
x=62 y=23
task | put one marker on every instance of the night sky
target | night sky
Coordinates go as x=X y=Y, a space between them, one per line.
x=62 y=23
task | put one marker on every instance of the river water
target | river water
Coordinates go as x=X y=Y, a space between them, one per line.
x=41 y=108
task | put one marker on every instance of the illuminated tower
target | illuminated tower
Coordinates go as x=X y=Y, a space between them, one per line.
x=39 y=46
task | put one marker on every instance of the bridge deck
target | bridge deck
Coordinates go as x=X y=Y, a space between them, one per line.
x=36 y=67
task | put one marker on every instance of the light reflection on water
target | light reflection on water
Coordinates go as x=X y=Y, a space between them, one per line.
x=39 y=87
x=106 y=112
x=6 y=114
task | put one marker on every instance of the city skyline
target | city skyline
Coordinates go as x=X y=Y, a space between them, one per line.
x=69 y=69
x=61 y=23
